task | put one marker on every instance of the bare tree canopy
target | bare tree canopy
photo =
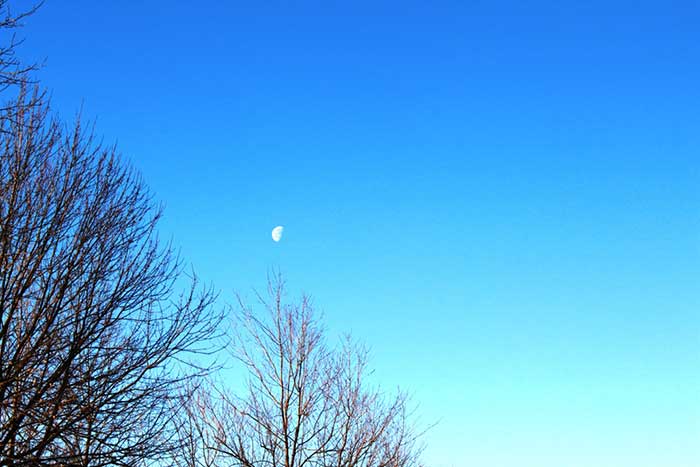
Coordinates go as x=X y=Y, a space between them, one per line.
x=12 y=70
x=306 y=404
x=94 y=341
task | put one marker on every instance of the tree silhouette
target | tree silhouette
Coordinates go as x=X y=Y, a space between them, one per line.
x=94 y=341
x=13 y=72
x=306 y=404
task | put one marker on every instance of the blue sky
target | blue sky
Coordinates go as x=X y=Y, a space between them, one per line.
x=501 y=199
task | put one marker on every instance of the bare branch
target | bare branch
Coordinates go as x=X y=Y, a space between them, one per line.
x=306 y=404
x=94 y=342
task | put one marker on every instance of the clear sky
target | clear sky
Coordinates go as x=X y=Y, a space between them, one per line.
x=502 y=199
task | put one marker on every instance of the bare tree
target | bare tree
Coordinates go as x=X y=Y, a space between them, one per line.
x=12 y=70
x=95 y=343
x=196 y=434
x=306 y=404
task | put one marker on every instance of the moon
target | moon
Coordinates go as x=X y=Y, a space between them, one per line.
x=277 y=233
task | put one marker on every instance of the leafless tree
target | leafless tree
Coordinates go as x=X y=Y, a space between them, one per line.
x=306 y=404
x=12 y=70
x=95 y=342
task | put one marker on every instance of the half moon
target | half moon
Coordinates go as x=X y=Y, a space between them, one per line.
x=277 y=233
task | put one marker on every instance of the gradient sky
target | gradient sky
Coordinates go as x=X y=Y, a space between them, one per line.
x=502 y=199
